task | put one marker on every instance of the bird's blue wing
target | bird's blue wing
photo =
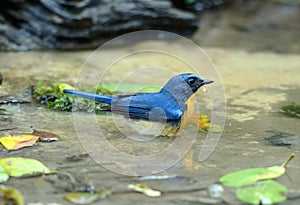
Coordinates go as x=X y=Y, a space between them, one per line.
x=156 y=106
x=133 y=106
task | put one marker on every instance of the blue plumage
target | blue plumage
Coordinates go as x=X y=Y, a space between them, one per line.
x=169 y=104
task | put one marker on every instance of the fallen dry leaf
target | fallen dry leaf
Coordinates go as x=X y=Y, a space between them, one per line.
x=17 y=142
x=45 y=136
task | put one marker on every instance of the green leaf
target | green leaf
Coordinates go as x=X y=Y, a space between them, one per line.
x=3 y=175
x=264 y=192
x=251 y=176
x=20 y=167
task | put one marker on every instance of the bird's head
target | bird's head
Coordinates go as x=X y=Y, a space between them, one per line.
x=185 y=84
x=194 y=81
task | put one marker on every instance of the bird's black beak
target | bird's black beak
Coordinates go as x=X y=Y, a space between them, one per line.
x=204 y=82
x=207 y=82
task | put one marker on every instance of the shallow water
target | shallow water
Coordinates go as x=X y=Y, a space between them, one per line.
x=256 y=85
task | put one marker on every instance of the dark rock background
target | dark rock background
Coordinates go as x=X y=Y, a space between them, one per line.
x=80 y=24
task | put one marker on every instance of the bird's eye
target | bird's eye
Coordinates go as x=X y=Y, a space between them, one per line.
x=192 y=81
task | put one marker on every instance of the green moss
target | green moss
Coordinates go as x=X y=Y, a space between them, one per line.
x=52 y=96
x=292 y=110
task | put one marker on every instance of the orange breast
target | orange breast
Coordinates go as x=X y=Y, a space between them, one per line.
x=189 y=115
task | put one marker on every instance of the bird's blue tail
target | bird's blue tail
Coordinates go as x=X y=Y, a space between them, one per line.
x=92 y=96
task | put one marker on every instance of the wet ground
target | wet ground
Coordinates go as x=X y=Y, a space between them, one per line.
x=257 y=82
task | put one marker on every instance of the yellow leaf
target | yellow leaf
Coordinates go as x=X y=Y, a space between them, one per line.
x=11 y=196
x=17 y=142
x=204 y=121
x=143 y=188
x=21 y=167
x=201 y=120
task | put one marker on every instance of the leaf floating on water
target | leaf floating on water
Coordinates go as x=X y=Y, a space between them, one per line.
x=21 y=167
x=45 y=136
x=264 y=192
x=3 y=175
x=17 y=142
x=81 y=197
x=143 y=188
x=251 y=176
x=11 y=196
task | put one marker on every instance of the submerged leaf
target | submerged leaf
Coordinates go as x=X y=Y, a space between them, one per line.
x=17 y=142
x=264 y=192
x=11 y=196
x=3 y=175
x=81 y=197
x=143 y=188
x=20 y=167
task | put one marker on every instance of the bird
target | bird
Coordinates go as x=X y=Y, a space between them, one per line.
x=173 y=104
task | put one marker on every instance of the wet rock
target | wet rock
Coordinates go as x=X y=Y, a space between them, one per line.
x=62 y=24
x=284 y=139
